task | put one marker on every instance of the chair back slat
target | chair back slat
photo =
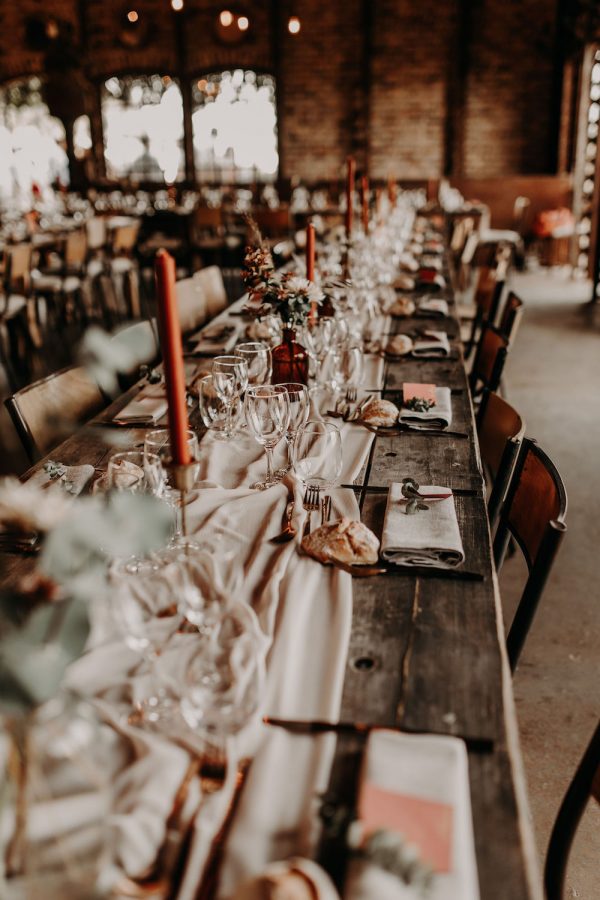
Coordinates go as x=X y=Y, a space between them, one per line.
x=500 y=430
x=96 y=232
x=18 y=267
x=538 y=498
x=124 y=238
x=510 y=319
x=212 y=286
x=76 y=250
x=44 y=412
x=489 y=360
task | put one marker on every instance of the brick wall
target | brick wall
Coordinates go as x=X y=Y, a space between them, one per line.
x=377 y=78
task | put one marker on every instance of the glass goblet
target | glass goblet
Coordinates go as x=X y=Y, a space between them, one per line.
x=318 y=454
x=267 y=414
x=259 y=361
x=347 y=367
x=299 y=403
x=231 y=380
x=214 y=411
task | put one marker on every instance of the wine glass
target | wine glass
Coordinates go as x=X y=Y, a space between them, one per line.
x=267 y=413
x=231 y=380
x=136 y=472
x=258 y=358
x=299 y=403
x=158 y=442
x=347 y=367
x=318 y=454
x=214 y=410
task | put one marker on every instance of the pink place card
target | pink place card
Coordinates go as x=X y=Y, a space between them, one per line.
x=422 y=391
x=425 y=823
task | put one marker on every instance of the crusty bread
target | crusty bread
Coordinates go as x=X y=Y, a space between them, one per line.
x=344 y=541
x=399 y=345
x=404 y=283
x=403 y=306
x=381 y=413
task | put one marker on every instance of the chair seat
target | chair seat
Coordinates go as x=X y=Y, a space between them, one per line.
x=121 y=265
x=54 y=284
x=95 y=267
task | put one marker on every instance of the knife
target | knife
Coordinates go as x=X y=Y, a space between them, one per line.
x=318 y=726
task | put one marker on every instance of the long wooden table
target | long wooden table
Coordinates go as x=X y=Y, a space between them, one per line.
x=426 y=653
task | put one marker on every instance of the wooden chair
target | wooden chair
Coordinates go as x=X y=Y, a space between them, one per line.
x=500 y=430
x=533 y=513
x=191 y=303
x=510 y=318
x=584 y=786
x=210 y=282
x=488 y=294
x=489 y=361
x=20 y=333
x=44 y=411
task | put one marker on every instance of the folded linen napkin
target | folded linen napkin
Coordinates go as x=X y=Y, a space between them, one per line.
x=432 y=307
x=71 y=479
x=428 y=537
x=438 y=416
x=219 y=337
x=417 y=788
x=149 y=406
x=432 y=344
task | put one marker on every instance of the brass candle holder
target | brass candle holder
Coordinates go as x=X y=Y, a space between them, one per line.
x=183 y=477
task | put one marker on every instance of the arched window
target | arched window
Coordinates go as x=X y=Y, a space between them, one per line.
x=142 y=117
x=234 y=121
x=32 y=143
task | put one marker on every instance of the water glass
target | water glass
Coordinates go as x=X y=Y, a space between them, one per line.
x=318 y=454
x=214 y=411
x=259 y=361
x=299 y=404
x=231 y=380
x=267 y=414
x=137 y=472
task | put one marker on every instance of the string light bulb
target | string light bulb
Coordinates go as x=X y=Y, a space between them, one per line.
x=177 y=5
x=132 y=16
x=243 y=23
x=226 y=18
x=294 y=25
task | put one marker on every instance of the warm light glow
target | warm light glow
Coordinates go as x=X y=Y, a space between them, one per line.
x=177 y=5
x=294 y=25
x=132 y=15
x=226 y=18
x=243 y=23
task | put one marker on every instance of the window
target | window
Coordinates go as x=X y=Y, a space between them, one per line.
x=142 y=117
x=32 y=143
x=234 y=122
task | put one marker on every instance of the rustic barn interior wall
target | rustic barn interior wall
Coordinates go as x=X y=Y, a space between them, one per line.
x=414 y=88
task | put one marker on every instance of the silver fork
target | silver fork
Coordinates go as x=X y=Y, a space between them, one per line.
x=351 y=395
x=311 y=503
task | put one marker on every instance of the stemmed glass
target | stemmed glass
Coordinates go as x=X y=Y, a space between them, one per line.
x=299 y=403
x=214 y=411
x=231 y=380
x=347 y=367
x=267 y=413
x=259 y=360
x=136 y=472
x=318 y=454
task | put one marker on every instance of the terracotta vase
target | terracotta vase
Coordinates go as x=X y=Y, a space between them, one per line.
x=290 y=360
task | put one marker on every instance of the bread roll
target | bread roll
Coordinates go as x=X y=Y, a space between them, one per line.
x=399 y=345
x=403 y=306
x=345 y=541
x=404 y=283
x=381 y=413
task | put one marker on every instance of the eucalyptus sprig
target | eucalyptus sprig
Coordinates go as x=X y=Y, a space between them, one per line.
x=410 y=490
x=420 y=404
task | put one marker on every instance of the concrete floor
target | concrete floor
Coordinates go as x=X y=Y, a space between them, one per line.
x=553 y=379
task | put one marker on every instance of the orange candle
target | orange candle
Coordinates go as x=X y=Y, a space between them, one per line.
x=350 y=176
x=172 y=352
x=392 y=191
x=364 y=190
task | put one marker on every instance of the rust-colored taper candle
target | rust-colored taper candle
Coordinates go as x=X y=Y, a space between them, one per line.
x=364 y=191
x=310 y=263
x=350 y=176
x=172 y=353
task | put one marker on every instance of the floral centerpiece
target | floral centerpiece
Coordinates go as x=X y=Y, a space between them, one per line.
x=289 y=297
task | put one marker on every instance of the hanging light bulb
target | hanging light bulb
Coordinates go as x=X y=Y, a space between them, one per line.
x=294 y=25
x=243 y=23
x=226 y=18
x=177 y=5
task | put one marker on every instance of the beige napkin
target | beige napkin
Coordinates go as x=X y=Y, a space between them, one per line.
x=432 y=344
x=433 y=419
x=432 y=307
x=213 y=340
x=150 y=405
x=417 y=785
x=427 y=537
x=73 y=480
